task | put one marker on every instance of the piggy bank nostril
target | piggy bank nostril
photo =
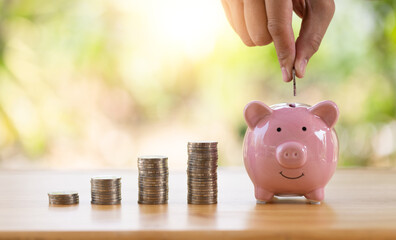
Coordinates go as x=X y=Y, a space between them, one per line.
x=286 y=155
x=295 y=154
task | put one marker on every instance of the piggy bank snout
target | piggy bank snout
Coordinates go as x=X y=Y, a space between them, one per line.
x=291 y=154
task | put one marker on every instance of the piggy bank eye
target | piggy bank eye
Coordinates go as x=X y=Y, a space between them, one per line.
x=304 y=129
x=278 y=129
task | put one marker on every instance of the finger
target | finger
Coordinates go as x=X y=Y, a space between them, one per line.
x=279 y=15
x=316 y=19
x=228 y=13
x=238 y=20
x=256 y=22
x=299 y=7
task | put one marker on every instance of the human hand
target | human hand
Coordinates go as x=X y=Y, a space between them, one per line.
x=259 y=22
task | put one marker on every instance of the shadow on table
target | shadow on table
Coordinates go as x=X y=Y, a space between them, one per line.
x=153 y=216
x=105 y=213
x=202 y=215
x=294 y=212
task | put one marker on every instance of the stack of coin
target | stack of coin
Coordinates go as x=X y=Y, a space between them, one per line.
x=63 y=198
x=153 y=179
x=106 y=190
x=202 y=172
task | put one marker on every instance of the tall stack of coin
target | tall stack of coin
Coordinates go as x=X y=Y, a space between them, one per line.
x=63 y=198
x=153 y=179
x=202 y=172
x=106 y=190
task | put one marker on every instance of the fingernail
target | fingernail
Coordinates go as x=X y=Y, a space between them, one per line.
x=285 y=75
x=303 y=65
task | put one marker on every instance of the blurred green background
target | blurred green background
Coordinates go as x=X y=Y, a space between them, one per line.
x=94 y=84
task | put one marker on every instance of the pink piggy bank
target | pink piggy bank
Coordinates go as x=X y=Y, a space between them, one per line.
x=290 y=149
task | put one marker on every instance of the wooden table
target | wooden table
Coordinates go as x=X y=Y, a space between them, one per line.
x=359 y=204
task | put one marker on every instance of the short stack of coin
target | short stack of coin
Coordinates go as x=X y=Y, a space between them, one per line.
x=202 y=172
x=63 y=198
x=153 y=179
x=106 y=190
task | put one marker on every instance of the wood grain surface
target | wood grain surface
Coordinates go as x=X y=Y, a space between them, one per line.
x=359 y=204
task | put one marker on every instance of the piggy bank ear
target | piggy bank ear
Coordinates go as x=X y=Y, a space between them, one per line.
x=254 y=112
x=327 y=111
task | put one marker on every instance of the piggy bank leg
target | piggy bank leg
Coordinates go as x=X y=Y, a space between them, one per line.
x=316 y=196
x=263 y=196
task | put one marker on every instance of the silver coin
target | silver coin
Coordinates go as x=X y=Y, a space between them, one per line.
x=110 y=190
x=158 y=199
x=201 y=149
x=142 y=199
x=202 y=166
x=159 y=165
x=106 y=203
x=64 y=197
x=106 y=192
x=205 y=178
x=201 y=181
x=196 y=178
x=105 y=200
x=194 y=169
x=203 y=193
x=143 y=187
x=152 y=178
x=153 y=182
x=153 y=191
x=63 y=202
x=205 y=164
x=105 y=183
x=147 y=200
x=152 y=196
x=153 y=171
x=142 y=175
x=149 y=188
x=152 y=188
x=202 y=203
x=202 y=143
x=153 y=202
x=202 y=198
x=153 y=163
x=194 y=173
x=203 y=154
x=202 y=160
x=106 y=178
x=118 y=186
x=202 y=188
x=105 y=196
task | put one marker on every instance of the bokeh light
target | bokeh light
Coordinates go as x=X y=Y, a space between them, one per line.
x=94 y=84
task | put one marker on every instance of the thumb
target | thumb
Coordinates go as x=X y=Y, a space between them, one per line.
x=316 y=19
